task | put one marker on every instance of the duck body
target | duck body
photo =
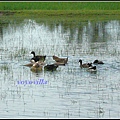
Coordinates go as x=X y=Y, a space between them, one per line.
x=85 y=65
x=92 y=69
x=29 y=64
x=59 y=63
x=51 y=67
x=36 y=67
x=98 y=62
x=38 y=58
x=33 y=62
x=60 y=60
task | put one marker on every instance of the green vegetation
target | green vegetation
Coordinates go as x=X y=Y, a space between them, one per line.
x=4 y=67
x=59 y=5
x=59 y=8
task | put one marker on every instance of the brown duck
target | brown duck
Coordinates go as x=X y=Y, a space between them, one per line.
x=36 y=67
x=33 y=62
x=60 y=60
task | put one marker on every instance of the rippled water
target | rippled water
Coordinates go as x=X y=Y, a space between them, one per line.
x=70 y=92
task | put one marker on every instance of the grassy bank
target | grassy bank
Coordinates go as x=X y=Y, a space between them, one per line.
x=59 y=5
x=67 y=12
x=59 y=8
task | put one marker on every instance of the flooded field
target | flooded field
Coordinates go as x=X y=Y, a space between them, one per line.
x=69 y=92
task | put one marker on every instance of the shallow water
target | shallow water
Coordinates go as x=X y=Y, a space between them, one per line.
x=70 y=92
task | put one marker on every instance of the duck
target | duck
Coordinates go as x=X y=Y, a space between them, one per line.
x=38 y=58
x=50 y=67
x=60 y=60
x=92 y=69
x=29 y=64
x=98 y=62
x=33 y=62
x=85 y=65
x=36 y=67
x=59 y=64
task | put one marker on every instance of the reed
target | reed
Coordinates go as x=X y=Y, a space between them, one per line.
x=4 y=67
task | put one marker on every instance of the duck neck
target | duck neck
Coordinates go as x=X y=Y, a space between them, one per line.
x=34 y=54
x=80 y=62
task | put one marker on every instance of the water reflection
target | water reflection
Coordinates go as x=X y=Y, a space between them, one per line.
x=41 y=37
x=71 y=92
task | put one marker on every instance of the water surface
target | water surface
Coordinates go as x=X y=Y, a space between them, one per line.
x=70 y=92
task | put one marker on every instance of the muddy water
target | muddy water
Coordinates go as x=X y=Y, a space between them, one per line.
x=68 y=92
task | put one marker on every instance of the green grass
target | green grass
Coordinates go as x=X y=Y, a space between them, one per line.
x=59 y=5
x=59 y=8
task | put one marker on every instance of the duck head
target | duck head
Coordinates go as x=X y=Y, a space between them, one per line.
x=33 y=53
